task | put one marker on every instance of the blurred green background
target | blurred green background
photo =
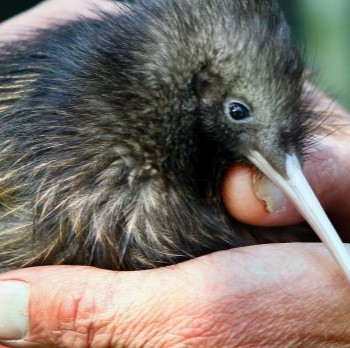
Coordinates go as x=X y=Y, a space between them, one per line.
x=322 y=29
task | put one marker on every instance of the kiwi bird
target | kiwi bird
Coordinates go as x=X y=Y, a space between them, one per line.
x=115 y=132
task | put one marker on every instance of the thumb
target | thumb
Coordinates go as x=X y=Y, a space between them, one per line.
x=79 y=307
x=223 y=299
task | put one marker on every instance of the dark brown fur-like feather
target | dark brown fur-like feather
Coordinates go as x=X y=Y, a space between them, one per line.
x=113 y=139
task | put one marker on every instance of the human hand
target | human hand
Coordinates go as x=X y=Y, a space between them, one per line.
x=276 y=295
x=263 y=296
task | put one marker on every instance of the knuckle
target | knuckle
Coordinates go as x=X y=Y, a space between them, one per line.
x=77 y=320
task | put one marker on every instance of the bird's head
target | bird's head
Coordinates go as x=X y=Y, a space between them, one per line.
x=226 y=72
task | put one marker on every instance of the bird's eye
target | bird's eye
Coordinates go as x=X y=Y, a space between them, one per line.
x=237 y=111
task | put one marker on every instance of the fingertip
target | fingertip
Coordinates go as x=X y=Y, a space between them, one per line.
x=240 y=198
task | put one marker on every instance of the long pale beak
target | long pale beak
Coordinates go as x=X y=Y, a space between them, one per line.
x=298 y=190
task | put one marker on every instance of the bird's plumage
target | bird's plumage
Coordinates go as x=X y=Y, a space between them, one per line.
x=114 y=136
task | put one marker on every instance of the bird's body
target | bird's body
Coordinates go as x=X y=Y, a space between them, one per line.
x=115 y=131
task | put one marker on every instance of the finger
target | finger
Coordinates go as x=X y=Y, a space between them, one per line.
x=255 y=200
x=51 y=12
x=201 y=303
x=242 y=202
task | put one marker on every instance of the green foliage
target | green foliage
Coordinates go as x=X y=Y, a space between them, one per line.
x=323 y=30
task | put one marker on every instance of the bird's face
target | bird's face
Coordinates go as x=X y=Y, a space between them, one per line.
x=239 y=61
x=254 y=103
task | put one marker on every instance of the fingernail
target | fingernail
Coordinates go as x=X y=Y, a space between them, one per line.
x=14 y=297
x=268 y=192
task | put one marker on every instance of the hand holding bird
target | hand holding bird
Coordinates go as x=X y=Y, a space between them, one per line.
x=309 y=288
